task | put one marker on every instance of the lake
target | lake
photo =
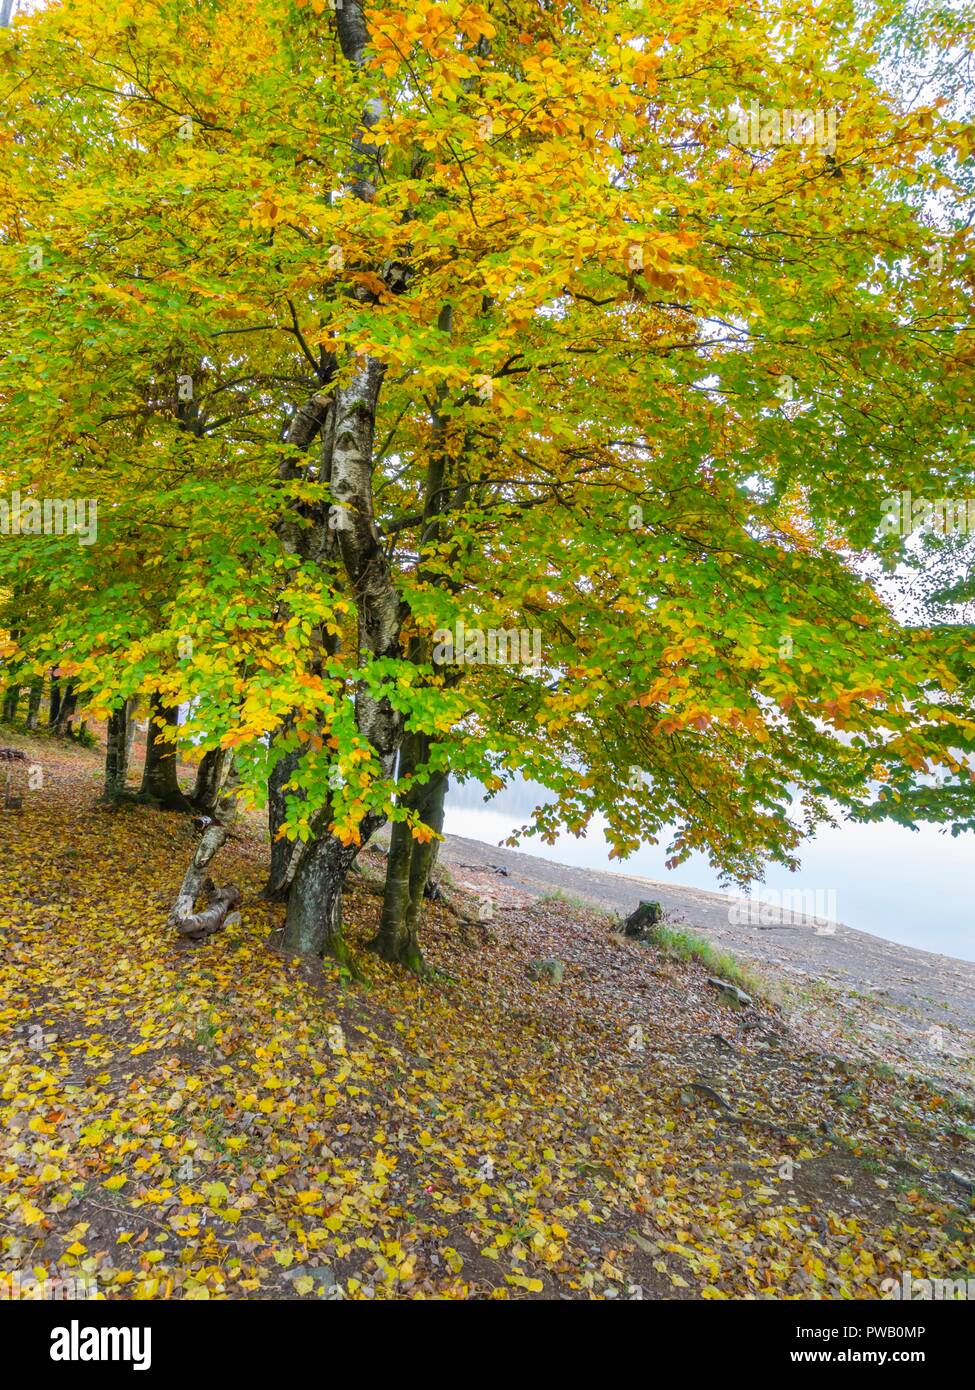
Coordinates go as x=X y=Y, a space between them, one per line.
x=913 y=887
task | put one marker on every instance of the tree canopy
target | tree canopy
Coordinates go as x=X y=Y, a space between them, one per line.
x=610 y=325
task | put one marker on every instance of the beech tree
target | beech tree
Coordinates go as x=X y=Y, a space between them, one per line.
x=369 y=326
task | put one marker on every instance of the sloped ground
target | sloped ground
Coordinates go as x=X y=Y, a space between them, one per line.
x=222 y=1121
x=901 y=1006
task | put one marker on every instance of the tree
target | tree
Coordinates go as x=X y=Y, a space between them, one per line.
x=524 y=318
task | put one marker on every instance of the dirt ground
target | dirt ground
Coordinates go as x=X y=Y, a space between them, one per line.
x=898 y=1005
x=551 y=1112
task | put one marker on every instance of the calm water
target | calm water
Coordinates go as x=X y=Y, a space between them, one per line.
x=914 y=887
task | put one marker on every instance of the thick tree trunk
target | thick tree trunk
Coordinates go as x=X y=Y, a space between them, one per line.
x=284 y=852
x=116 y=754
x=34 y=704
x=410 y=861
x=159 y=778
x=210 y=778
x=314 y=922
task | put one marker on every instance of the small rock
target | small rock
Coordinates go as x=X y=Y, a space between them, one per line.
x=730 y=990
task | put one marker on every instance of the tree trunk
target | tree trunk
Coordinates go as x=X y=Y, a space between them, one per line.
x=642 y=919
x=34 y=704
x=210 y=777
x=431 y=810
x=116 y=753
x=214 y=837
x=410 y=861
x=67 y=704
x=284 y=852
x=390 y=941
x=221 y=902
x=314 y=922
x=54 y=702
x=11 y=700
x=159 y=779
x=131 y=710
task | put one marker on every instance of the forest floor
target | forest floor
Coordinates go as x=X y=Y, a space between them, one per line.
x=225 y=1121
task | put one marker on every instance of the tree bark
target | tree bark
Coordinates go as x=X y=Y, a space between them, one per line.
x=431 y=811
x=131 y=711
x=210 y=777
x=160 y=782
x=212 y=918
x=410 y=861
x=283 y=851
x=642 y=919
x=317 y=926
x=314 y=921
x=11 y=700
x=116 y=753
x=68 y=703
x=213 y=839
x=54 y=702
x=390 y=941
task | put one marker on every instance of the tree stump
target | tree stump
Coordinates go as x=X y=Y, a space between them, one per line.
x=641 y=921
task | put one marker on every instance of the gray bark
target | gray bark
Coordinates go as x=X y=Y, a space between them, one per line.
x=210 y=778
x=213 y=839
x=54 y=702
x=116 y=753
x=159 y=777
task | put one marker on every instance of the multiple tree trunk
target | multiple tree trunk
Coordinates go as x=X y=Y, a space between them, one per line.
x=311 y=877
x=11 y=699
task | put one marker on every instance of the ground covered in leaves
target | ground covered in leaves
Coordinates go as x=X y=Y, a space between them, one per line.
x=223 y=1121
